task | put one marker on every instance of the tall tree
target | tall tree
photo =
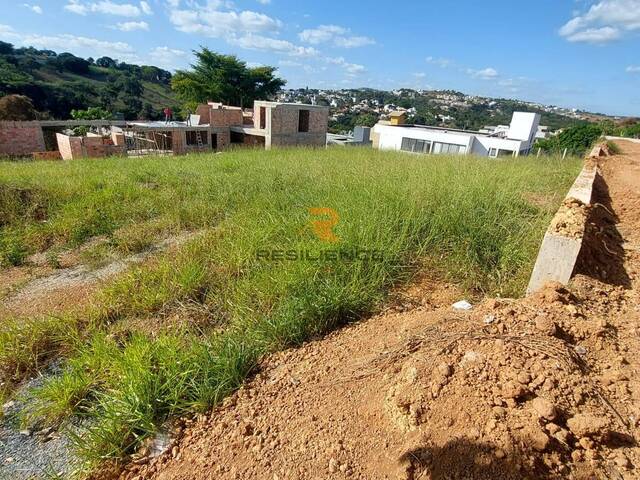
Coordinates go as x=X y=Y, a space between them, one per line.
x=224 y=78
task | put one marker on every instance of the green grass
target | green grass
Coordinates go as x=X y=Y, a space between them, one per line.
x=477 y=222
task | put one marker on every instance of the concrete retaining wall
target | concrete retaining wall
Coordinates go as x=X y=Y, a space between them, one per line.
x=563 y=240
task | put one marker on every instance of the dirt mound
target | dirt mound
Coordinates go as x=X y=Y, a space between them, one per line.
x=514 y=378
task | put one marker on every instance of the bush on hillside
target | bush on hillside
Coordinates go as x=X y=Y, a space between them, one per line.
x=17 y=107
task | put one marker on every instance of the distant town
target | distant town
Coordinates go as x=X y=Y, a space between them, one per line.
x=445 y=108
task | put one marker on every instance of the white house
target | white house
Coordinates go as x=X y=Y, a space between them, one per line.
x=518 y=140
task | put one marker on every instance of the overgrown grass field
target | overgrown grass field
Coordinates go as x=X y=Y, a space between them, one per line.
x=259 y=275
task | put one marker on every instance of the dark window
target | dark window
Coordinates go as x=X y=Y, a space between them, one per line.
x=263 y=118
x=237 y=137
x=214 y=141
x=192 y=137
x=303 y=121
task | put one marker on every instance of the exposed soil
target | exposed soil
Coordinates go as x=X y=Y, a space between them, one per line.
x=570 y=219
x=40 y=289
x=542 y=387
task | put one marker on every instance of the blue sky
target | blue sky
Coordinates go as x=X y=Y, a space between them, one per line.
x=573 y=53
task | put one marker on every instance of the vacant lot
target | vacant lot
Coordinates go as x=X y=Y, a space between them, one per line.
x=283 y=246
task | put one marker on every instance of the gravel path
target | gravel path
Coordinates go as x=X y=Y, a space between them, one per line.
x=28 y=454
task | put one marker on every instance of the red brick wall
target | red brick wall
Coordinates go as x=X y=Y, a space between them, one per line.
x=225 y=117
x=20 y=138
x=101 y=150
x=203 y=111
x=52 y=155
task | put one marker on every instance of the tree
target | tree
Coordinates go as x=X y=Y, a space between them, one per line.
x=226 y=79
x=132 y=107
x=91 y=113
x=17 y=107
x=577 y=139
x=71 y=63
x=6 y=48
x=129 y=86
x=148 y=113
x=106 y=62
x=366 y=120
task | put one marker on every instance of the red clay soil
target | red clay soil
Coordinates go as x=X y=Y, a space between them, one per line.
x=542 y=387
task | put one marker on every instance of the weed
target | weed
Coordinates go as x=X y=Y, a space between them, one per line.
x=465 y=216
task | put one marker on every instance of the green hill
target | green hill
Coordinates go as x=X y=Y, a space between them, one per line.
x=59 y=83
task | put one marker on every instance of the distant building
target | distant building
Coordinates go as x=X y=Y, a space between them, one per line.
x=361 y=137
x=517 y=140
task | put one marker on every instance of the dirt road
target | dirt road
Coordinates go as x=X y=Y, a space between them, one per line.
x=543 y=387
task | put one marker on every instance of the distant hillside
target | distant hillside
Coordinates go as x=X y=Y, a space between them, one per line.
x=59 y=83
x=445 y=108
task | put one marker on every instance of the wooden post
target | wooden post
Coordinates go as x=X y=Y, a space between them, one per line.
x=539 y=151
x=564 y=155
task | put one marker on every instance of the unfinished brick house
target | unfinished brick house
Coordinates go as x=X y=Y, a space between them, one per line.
x=213 y=128
x=284 y=124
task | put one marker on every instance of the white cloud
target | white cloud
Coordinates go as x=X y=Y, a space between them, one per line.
x=107 y=7
x=338 y=36
x=352 y=69
x=78 y=45
x=34 y=8
x=131 y=26
x=146 y=8
x=595 y=35
x=441 y=62
x=217 y=23
x=605 y=21
x=633 y=69
x=246 y=29
x=264 y=2
x=252 y=41
x=420 y=75
x=167 y=57
x=289 y=63
x=484 y=74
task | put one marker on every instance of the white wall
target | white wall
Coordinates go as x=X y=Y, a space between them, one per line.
x=391 y=139
x=391 y=136
x=524 y=126
x=482 y=145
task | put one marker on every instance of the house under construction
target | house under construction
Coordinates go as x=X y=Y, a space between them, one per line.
x=214 y=127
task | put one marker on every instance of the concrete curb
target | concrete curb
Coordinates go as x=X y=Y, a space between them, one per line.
x=558 y=253
x=633 y=140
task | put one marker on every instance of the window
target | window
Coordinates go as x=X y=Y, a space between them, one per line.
x=493 y=152
x=408 y=144
x=303 y=121
x=449 y=148
x=415 y=146
x=214 y=141
x=192 y=137
x=263 y=118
